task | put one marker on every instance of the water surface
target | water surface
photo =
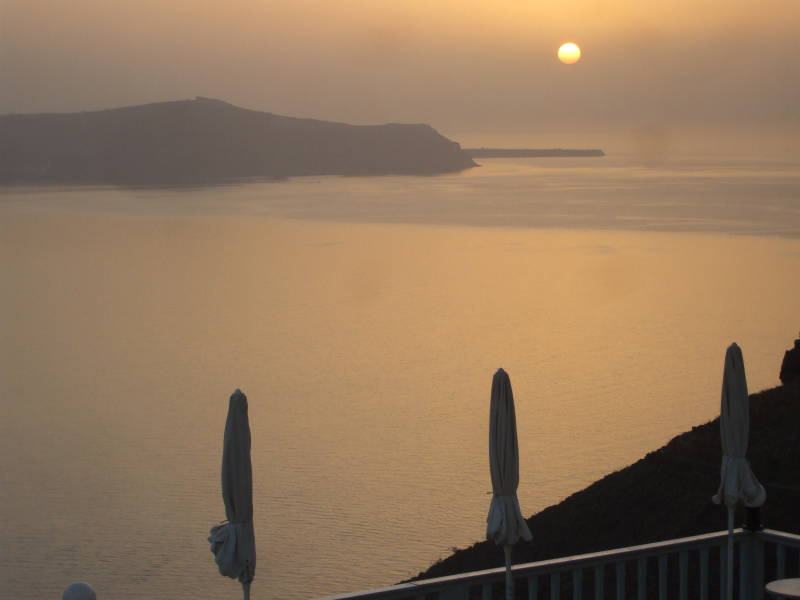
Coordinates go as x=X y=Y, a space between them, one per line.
x=364 y=318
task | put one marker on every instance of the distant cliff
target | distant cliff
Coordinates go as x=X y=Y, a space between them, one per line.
x=205 y=140
x=666 y=494
x=531 y=152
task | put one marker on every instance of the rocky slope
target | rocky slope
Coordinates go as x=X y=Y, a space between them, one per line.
x=666 y=494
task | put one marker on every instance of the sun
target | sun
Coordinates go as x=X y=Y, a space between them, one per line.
x=569 y=53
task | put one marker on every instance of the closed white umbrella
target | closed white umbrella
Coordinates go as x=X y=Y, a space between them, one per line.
x=233 y=542
x=505 y=524
x=737 y=483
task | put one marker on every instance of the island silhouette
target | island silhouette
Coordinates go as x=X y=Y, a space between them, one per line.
x=206 y=140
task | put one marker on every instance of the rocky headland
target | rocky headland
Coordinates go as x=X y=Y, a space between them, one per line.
x=205 y=140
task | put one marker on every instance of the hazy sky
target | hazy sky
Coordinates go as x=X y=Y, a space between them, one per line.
x=473 y=69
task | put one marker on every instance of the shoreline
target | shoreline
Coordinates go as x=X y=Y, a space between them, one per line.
x=533 y=152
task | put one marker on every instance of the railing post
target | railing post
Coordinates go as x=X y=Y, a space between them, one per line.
x=723 y=572
x=599 y=580
x=751 y=565
x=486 y=591
x=620 y=580
x=780 y=558
x=751 y=558
x=758 y=566
x=683 y=577
x=456 y=592
x=577 y=584
x=746 y=566
x=704 y=574
x=641 y=578
x=555 y=585
x=533 y=587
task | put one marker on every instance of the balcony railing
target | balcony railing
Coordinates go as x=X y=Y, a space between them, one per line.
x=685 y=568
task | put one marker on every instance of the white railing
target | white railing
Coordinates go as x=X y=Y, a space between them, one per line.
x=774 y=548
x=685 y=568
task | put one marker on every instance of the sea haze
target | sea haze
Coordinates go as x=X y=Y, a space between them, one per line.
x=364 y=318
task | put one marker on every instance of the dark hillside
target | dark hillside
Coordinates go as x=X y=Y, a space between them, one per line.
x=666 y=494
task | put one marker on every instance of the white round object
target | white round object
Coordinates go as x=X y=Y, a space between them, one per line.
x=569 y=53
x=78 y=591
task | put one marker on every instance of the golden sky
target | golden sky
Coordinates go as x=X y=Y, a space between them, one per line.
x=469 y=68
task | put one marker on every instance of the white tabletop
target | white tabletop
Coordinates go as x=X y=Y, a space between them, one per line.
x=788 y=588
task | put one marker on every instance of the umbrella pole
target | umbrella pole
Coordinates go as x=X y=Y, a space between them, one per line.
x=730 y=553
x=509 y=579
x=246 y=588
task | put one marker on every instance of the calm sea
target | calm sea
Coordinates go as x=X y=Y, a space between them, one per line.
x=364 y=318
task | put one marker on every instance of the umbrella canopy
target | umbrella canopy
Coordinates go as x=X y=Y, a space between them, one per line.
x=505 y=524
x=737 y=483
x=233 y=543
